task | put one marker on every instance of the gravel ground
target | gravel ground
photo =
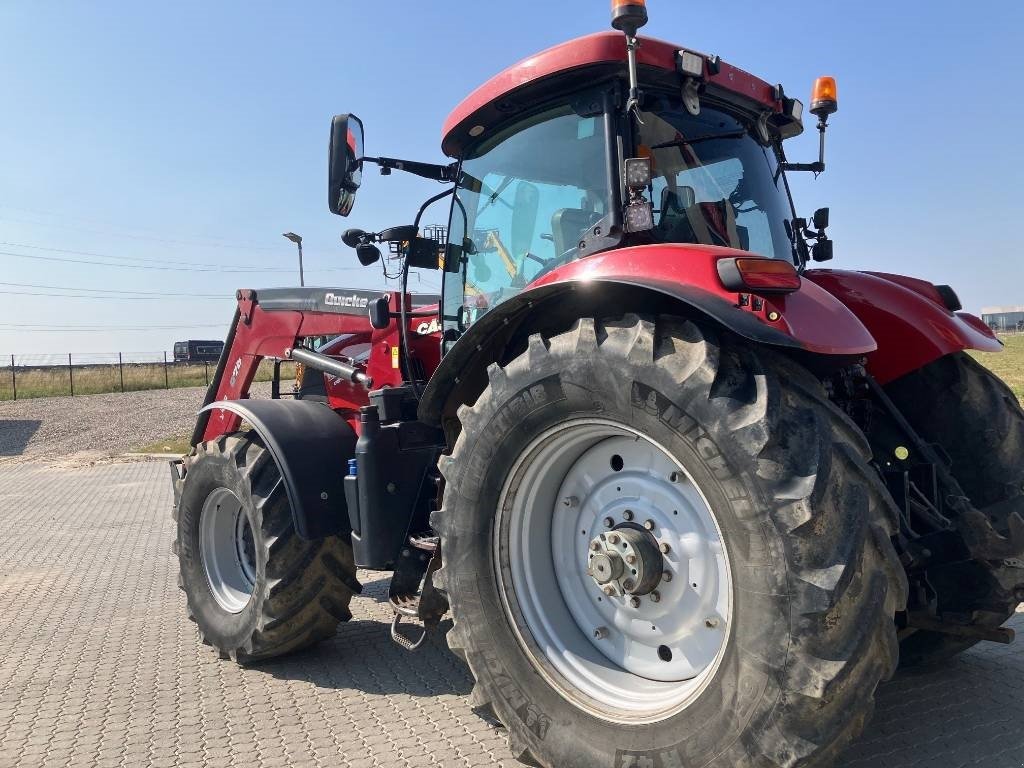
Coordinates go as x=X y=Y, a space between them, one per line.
x=77 y=431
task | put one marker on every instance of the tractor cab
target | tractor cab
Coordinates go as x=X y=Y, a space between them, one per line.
x=552 y=186
x=570 y=153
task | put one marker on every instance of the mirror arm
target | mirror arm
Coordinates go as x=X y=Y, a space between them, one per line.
x=444 y=173
x=819 y=166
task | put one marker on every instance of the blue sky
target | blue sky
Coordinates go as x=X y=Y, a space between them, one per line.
x=194 y=133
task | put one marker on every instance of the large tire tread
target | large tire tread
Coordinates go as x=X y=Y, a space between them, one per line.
x=975 y=419
x=307 y=586
x=832 y=511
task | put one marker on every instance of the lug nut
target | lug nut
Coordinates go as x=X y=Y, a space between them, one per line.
x=628 y=514
x=666 y=576
x=648 y=525
x=608 y=522
x=631 y=559
x=627 y=585
x=601 y=633
x=594 y=546
x=613 y=538
x=665 y=549
x=608 y=591
x=655 y=597
x=635 y=602
x=571 y=501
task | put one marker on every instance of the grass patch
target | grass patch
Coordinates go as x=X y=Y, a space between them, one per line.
x=176 y=445
x=52 y=381
x=1008 y=364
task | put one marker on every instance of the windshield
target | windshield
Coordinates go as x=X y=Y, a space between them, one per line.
x=529 y=194
x=713 y=183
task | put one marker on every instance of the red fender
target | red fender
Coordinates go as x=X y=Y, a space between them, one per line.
x=907 y=317
x=809 y=319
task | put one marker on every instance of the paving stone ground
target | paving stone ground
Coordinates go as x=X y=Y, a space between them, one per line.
x=98 y=665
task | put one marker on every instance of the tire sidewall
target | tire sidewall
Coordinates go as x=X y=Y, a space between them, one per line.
x=219 y=627
x=744 y=689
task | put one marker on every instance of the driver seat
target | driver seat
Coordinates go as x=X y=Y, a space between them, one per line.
x=568 y=226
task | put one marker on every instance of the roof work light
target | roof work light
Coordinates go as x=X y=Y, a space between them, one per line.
x=629 y=15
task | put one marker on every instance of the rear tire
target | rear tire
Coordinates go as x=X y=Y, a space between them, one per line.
x=959 y=405
x=253 y=587
x=804 y=520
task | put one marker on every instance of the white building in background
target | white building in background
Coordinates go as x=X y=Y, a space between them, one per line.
x=1004 y=318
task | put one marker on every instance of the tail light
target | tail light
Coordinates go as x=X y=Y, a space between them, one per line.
x=758 y=275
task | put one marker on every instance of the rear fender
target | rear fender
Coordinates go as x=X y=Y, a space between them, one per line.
x=907 y=317
x=669 y=279
x=311 y=445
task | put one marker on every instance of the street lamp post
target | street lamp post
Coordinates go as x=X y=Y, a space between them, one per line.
x=298 y=241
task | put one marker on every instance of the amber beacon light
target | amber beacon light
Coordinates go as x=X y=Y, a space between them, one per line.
x=629 y=15
x=824 y=98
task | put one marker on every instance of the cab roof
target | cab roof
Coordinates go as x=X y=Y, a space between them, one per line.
x=573 y=64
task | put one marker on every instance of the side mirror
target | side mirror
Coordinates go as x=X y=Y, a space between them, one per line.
x=345 y=173
x=821 y=219
x=822 y=251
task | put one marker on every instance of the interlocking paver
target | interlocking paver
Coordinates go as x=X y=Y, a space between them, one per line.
x=98 y=664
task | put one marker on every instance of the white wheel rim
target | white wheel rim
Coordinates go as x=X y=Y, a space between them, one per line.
x=622 y=661
x=227 y=551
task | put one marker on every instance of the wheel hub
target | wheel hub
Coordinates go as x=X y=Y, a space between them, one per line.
x=625 y=561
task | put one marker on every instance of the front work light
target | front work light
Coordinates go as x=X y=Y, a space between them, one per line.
x=638 y=172
x=629 y=15
x=824 y=98
x=758 y=275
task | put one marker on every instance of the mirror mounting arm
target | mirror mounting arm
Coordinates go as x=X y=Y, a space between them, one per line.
x=819 y=166
x=443 y=173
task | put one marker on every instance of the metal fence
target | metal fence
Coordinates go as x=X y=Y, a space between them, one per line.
x=25 y=376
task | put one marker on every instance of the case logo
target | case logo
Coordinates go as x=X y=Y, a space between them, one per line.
x=425 y=329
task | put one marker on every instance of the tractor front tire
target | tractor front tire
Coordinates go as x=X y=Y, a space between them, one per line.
x=253 y=587
x=720 y=473
x=977 y=422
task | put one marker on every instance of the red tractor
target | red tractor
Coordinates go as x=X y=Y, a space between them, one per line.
x=687 y=499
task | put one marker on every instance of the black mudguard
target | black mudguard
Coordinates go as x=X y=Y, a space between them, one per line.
x=311 y=445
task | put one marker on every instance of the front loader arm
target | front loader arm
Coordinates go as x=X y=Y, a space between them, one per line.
x=268 y=324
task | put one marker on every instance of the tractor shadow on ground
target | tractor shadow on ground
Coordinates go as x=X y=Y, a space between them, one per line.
x=362 y=656
x=15 y=435
x=967 y=711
